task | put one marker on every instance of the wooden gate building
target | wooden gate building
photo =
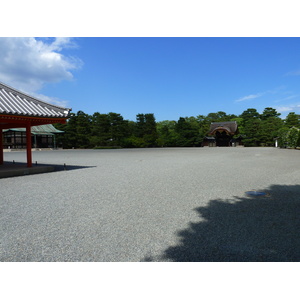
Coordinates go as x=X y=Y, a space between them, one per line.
x=223 y=133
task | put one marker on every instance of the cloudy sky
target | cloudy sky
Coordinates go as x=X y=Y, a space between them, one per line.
x=170 y=77
x=29 y=64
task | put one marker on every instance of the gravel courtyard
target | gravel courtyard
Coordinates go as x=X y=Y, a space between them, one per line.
x=166 y=204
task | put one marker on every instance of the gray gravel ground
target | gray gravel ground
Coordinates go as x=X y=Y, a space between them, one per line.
x=180 y=204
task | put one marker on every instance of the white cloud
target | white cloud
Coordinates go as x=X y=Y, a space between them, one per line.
x=288 y=108
x=293 y=73
x=29 y=63
x=52 y=100
x=254 y=96
x=286 y=98
x=249 y=97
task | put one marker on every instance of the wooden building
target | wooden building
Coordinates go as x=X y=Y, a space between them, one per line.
x=42 y=136
x=209 y=141
x=221 y=134
x=19 y=110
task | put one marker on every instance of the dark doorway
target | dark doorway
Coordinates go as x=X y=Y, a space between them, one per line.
x=222 y=139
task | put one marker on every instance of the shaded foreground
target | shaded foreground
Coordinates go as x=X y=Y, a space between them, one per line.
x=253 y=229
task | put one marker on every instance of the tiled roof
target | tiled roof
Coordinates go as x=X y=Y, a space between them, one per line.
x=14 y=102
x=47 y=129
x=231 y=127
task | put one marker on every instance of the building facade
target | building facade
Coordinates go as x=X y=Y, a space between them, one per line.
x=42 y=136
x=222 y=134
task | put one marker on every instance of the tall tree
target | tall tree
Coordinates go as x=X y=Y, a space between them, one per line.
x=100 y=130
x=293 y=137
x=150 y=131
x=118 y=129
x=240 y=123
x=188 y=134
x=252 y=128
x=197 y=130
x=270 y=125
x=167 y=136
x=145 y=133
x=269 y=130
x=140 y=125
x=204 y=124
x=219 y=116
x=269 y=112
x=292 y=120
x=83 y=129
x=250 y=113
x=69 y=139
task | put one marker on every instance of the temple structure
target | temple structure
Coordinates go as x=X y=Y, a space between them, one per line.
x=19 y=110
x=221 y=134
x=42 y=136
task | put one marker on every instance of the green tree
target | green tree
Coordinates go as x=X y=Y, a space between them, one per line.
x=187 y=134
x=204 y=125
x=283 y=137
x=77 y=131
x=60 y=138
x=197 y=130
x=83 y=129
x=269 y=130
x=167 y=136
x=142 y=133
x=293 y=137
x=292 y=120
x=100 y=130
x=249 y=127
x=219 y=116
x=150 y=130
x=249 y=114
x=269 y=112
x=69 y=138
x=119 y=129
x=240 y=122
x=140 y=125
x=270 y=125
x=252 y=129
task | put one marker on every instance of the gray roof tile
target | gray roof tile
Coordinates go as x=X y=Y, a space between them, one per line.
x=41 y=129
x=14 y=102
x=229 y=126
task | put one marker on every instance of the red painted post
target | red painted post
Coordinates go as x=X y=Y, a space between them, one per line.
x=1 y=147
x=28 y=145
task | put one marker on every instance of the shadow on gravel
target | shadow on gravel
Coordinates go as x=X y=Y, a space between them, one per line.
x=9 y=169
x=243 y=229
x=68 y=167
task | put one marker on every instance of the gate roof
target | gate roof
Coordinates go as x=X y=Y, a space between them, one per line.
x=230 y=127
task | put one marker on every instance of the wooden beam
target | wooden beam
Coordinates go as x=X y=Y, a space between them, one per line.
x=1 y=146
x=28 y=145
x=6 y=119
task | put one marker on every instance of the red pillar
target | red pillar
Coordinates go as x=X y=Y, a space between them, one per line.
x=28 y=145
x=1 y=146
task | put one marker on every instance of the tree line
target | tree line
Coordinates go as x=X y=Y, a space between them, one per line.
x=112 y=131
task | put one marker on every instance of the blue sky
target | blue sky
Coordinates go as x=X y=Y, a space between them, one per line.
x=171 y=77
